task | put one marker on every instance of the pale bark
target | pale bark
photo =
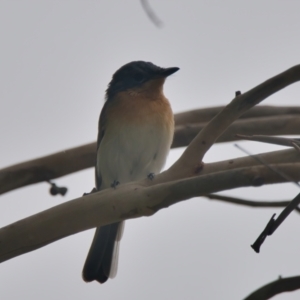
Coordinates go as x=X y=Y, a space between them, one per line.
x=128 y=201
x=83 y=157
x=204 y=115
x=187 y=178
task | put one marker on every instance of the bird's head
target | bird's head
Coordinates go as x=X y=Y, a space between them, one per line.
x=138 y=77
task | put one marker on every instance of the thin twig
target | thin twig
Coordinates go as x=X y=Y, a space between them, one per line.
x=296 y=146
x=292 y=205
x=262 y=161
x=273 y=224
x=271 y=140
x=250 y=203
x=151 y=14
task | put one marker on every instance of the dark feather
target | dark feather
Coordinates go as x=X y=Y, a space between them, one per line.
x=99 y=259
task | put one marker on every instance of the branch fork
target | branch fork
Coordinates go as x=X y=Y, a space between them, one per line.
x=180 y=182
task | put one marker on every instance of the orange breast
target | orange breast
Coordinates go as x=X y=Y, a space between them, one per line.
x=146 y=105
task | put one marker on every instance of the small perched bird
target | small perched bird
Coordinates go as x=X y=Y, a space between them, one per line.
x=136 y=129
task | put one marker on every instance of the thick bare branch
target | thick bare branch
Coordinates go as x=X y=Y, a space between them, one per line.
x=76 y=159
x=47 y=167
x=274 y=158
x=276 y=287
x=128 y=201
x=180 y=182
x=187 y=164
x=281 y=125
x=204 y=115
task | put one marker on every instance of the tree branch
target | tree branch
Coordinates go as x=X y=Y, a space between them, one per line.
x=130 y=200
x=180 y=182
x=190 y=161
x=250 y=203
x=275 y=158
x=83 y=157
x=204 y=115
x=47 y=167
x=280 y=125
x=276 y=287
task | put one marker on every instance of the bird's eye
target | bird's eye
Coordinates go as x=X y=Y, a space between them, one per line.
x=139 y=77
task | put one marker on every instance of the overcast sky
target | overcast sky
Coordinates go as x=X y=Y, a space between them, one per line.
x=57 y=57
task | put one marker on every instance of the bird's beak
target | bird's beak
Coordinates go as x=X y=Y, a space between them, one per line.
x=168 y=71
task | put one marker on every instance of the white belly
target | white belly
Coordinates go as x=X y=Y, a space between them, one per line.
x=132 y=152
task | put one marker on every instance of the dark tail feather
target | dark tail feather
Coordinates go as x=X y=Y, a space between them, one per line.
x=100 y=257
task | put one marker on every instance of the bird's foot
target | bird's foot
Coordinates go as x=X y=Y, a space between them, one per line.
x=114 y=184
x=151 y=176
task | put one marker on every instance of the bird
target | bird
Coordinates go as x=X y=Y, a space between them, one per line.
x=135 y=132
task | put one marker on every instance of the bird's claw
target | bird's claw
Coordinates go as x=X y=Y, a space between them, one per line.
x=114 y=184
x=151 y=176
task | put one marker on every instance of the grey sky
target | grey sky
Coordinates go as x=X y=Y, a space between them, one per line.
x=56 y=60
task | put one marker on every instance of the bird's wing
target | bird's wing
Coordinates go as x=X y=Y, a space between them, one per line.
x=101 y=131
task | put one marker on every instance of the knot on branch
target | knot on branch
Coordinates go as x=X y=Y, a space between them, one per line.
x=56 y=190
